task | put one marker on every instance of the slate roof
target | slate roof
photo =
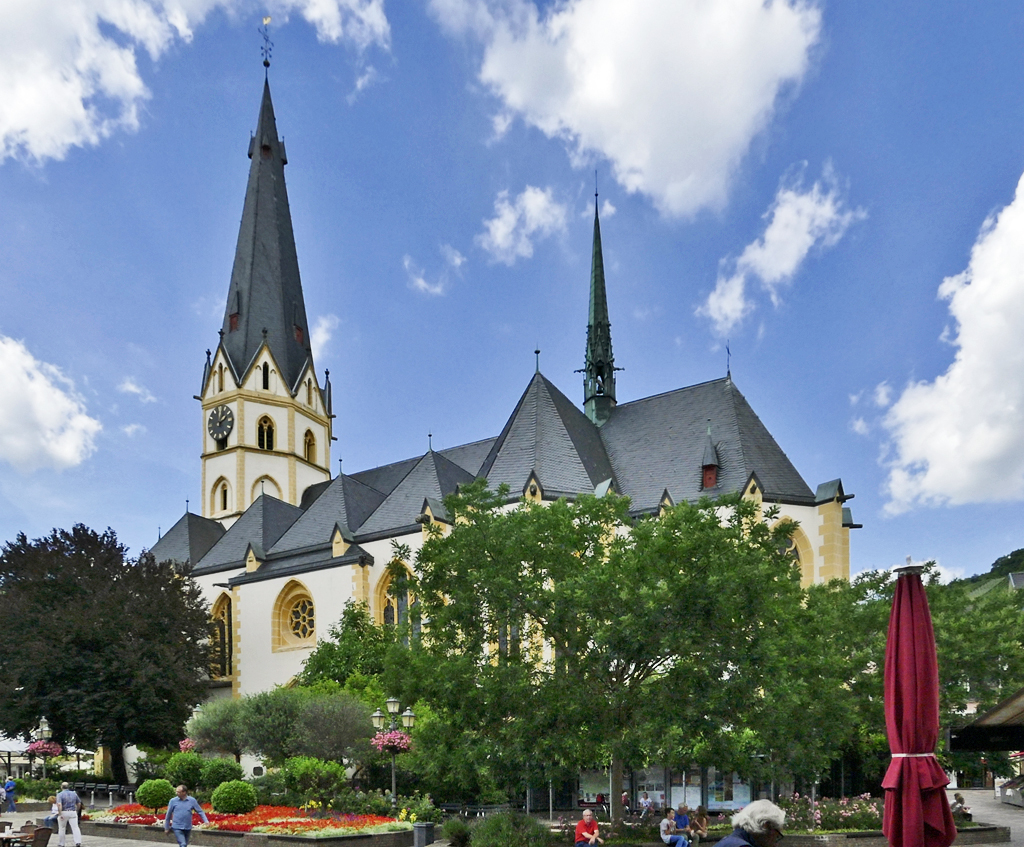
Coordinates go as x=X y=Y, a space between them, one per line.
x=646 y=448
x=345 y=502
x=547 y=434
x=303 y=561
x=265 y=289
x=433 y=477
x=658 y=443
x=263 y=523
x=470 y=456
x=188 y=540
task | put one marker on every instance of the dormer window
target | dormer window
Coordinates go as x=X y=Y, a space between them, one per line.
x=233 y=322
x=710 y=476
x=299 y=334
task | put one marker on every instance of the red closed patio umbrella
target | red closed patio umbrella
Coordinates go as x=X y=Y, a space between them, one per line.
x=916 y=809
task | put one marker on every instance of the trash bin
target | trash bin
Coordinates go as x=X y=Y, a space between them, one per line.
x=422 y=834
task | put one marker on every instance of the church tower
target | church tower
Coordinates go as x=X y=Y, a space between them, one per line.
x=599 y=368
x=266 y=418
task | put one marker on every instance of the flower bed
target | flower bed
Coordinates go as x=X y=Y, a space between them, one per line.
x=272 y=820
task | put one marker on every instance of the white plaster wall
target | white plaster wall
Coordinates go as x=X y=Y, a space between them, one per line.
x=259 y=665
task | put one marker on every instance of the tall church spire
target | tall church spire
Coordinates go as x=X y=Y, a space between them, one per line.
x=265 y=296
x=599 y=370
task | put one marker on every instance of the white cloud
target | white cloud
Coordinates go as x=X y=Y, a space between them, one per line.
x=534 y=214
x=131 y=430
x=452 y=256
x=453 y=261
x=369 y=77
x=323 y=329
x=500 y=123
x=43 y=420
x=855 y=398
x=860 y=426
x=671 y=92
x=69 y=72
x=797 y=221
x=607 y=209
x=960 y=438
x=130 y=386
x=417 y=279
x=882 y=395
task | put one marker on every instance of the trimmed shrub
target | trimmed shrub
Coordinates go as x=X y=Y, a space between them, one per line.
x=272 y=790
x=510 y=829
x=154 y=793
x=216 y=771
x=456 y=832
x=234 y=798
x=315 y=779
x=349 y=802
x=184 y=769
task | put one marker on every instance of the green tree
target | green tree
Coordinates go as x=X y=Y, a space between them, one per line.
x=334 y=726
x=217 y=728
x=355 y=645
x=270 y=725
x=115 y=652
x=564 y=641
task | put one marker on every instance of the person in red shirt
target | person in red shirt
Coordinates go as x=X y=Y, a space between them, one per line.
x=586 y=831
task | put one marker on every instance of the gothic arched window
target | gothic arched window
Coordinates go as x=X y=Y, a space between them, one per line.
x=309 y=447
x=219 y=496
x=294 y=623
x=221 y=658
x=265 y=433
x=266 y=376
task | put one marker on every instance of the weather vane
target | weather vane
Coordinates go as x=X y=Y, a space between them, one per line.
x=268 y=45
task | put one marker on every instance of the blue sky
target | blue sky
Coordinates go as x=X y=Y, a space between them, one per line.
x=831 y=187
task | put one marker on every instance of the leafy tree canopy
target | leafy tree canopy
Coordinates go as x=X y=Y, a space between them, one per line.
x=567 y=634
x=111 y=650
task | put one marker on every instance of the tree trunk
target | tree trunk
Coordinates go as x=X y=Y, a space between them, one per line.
x=117 y=765
x=615 y=803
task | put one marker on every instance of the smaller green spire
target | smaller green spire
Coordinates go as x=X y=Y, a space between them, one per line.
x=599 y=369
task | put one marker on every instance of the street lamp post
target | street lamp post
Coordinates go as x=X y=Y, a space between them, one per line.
x=44 y=733
x=408 y=721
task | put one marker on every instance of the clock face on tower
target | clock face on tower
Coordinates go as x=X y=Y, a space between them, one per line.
x=221 y=421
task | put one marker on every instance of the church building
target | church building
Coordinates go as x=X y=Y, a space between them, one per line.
x=281 y=546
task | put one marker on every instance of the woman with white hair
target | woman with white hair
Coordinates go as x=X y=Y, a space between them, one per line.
x=759 y=824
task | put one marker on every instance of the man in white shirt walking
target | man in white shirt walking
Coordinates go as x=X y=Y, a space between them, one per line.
x=68 y=803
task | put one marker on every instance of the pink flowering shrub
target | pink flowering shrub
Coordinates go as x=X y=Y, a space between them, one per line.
x=44 y=749
x=394 y=741
x=186 y=745
x=860 y=813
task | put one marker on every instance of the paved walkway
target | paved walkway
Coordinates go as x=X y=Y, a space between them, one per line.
x=986 y=807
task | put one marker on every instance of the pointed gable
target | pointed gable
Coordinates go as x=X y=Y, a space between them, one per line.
x=548 y=435
x=345 y=502
x=433 y=477
x=658 y=445
x=265 y=291
x=188 y=540
x=262 y=524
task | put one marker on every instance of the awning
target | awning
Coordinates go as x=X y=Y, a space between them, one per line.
x=1000 y=728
